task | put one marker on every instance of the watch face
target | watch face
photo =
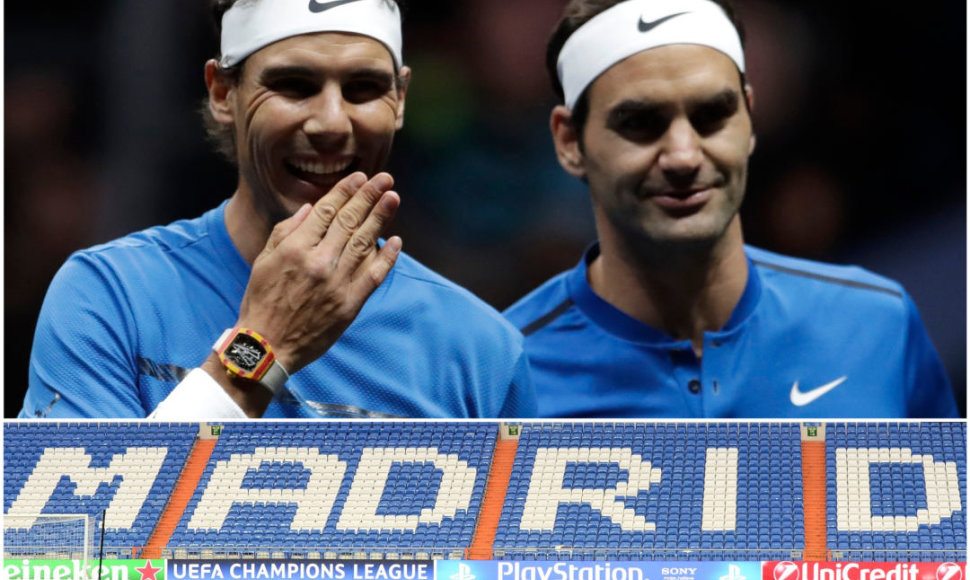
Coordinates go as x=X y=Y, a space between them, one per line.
x=246 y=352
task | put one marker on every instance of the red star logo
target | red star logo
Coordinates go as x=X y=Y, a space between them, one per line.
x=148 y=571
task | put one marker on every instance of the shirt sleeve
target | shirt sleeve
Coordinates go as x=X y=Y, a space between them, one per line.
x=521 y=400
x=929 y=393
x=83 y=361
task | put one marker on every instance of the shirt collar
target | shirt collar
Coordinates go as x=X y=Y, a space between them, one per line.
x=620 y=324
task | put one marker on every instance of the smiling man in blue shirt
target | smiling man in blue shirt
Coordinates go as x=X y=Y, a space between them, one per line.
x=282 y=301
x=670 y=314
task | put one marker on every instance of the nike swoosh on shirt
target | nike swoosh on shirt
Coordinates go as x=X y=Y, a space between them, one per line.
x=648 y=26
x=322 y=6
x=802 y=398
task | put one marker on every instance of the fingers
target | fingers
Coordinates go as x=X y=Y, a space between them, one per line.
x=363 y=242
x=341 y=230
x=362 y=207
x=376 y=271
x=327 y=208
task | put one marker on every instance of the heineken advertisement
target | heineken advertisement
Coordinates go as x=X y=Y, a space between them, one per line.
x=21 y=569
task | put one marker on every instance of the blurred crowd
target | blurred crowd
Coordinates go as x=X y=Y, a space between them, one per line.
x=860 y=115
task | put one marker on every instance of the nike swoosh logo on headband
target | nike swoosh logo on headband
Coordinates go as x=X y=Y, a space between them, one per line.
x=316 y=7
x=648 y=26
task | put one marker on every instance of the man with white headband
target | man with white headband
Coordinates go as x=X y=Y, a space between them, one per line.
x=670 y=314
x=282 y=301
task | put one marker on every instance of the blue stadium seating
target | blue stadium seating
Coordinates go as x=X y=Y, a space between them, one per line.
x=581 y=491
x=768 y=506
x=411 y=487
x=896 y=465
x=25 y=443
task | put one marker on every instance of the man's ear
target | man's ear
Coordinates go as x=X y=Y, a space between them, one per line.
x=566 y=139
x=220 y=87
x=749 y=97
x=403 y=80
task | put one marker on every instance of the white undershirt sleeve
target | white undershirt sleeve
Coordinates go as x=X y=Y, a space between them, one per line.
x=198 y=396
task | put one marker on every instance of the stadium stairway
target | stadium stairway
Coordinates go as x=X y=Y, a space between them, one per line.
x=497 y=486
x=181 y=495
x=813 y=486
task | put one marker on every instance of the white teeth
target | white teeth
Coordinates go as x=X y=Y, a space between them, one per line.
x=319 y=167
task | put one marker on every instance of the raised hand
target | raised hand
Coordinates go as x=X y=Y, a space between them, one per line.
x=316 y=272
x=319 y=267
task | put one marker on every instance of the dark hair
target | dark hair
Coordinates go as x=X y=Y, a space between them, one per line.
x=220 y=136
x=579 y=12
x=223 y=137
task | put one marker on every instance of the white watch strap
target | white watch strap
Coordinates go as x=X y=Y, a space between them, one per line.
x=222 y=338
x=275 y=378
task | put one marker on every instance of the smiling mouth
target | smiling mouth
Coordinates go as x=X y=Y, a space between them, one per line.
x=321 y=172
x=683 y=194
x=682 y=202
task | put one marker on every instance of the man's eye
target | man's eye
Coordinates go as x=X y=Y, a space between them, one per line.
x=708 y=120
x=295 y=87
x=361 y=91
x=639 y=127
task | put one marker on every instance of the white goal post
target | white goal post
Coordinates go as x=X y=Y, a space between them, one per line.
x=48 y=536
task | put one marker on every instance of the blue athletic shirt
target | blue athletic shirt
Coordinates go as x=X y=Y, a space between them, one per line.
x=124 y=322
x=806 y=340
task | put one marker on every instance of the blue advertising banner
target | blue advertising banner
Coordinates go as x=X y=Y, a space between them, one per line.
x=299 y=570
x=632 y=570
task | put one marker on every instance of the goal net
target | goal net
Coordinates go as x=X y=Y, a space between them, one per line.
x=48 y=536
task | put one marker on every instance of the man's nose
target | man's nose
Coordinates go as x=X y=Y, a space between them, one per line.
x=329 y=118
x=680 y=149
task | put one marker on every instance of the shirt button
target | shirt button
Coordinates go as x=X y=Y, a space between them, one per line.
x=694 y=385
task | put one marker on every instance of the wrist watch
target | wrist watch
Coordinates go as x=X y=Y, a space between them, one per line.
x=247 y=355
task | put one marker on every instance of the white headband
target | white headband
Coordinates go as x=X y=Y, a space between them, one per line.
x=251 y=25
x=637 y=25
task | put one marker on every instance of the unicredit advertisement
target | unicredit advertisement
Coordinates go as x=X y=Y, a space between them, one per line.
x=863 y=570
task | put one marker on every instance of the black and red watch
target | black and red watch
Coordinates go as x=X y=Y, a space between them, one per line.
x=247 y=355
